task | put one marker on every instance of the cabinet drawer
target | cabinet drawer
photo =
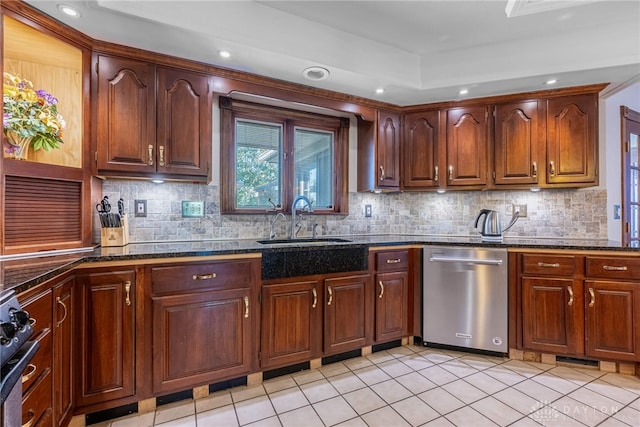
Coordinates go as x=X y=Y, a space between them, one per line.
x=39 y=308
x=194 y=277
x=615 y=268
x=37 y=400
x=392 y=260
x=40 y=364
x=549 y=265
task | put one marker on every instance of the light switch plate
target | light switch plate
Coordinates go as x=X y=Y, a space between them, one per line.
x=522 y=210
x=192 y=209
x=367 y=211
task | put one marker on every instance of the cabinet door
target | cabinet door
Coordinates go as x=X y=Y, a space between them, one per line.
x=348 y=313
x=291 y=323
x=467 y=146
x=420 y=148
x=388 y=150
x=184 y=123
x=391 y=306
x=571 y=139
x=62 y=351
x=106 y=362
x=516 y=143
x=201 y=338
x=126 y=115
x=613 y=320
x=552 y=313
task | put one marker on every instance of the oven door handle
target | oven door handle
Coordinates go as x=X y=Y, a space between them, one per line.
x=437 y=258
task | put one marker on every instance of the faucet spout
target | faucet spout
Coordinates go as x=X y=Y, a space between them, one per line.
x=307 y=202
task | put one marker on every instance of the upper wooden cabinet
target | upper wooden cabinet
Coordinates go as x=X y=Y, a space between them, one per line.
x=467 y=142
x=419 y=166
x=379 y=153
x=516 y=143
x=152 y=121
x=571 y=139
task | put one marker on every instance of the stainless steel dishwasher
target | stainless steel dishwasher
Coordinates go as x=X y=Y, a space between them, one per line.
x=465 y=298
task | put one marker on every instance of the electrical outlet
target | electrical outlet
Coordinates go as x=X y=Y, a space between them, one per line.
x=141 y=208
x=520 y=209
x=367 y=211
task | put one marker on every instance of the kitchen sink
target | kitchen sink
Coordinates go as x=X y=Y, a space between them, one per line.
x=303 y=241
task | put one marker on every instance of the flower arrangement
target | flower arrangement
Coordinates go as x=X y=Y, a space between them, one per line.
x=30 y=114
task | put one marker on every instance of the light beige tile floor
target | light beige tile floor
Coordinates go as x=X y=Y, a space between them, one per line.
x=415 y=386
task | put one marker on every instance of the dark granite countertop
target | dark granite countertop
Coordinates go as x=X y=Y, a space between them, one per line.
x=22 y=273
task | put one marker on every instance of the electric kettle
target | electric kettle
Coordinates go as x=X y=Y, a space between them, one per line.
x=491 y=230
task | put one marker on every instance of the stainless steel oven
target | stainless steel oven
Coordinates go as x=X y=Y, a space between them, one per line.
x=465 y=297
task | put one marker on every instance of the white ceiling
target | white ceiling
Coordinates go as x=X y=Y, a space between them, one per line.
x=418 y=51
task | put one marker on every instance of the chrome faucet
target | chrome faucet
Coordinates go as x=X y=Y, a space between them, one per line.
x=293 y=213
x=272 y=231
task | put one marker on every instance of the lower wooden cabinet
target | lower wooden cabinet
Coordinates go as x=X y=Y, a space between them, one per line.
x=63 y=349
x=348 y=313
x=291 y=328
x=392 y=295
x=105 y=363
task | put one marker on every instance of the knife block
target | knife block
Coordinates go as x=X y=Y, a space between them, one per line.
x=115 y=236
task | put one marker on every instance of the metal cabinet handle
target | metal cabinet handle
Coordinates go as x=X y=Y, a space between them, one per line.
x=204 y=276
x=246 y=307
x=534 y=167
x=593 y=297
x=552 y=168
x=127 y=290
x=450 y=173
x=315 y=298
x=570 y=289
x=59 y=301
x=32 y=371
x=548 y=265
x=615 y=267
x=32 y=418
x=435 y=174
x=382 y=176
x=330 y=295
x=381 y=289
x=161 y=152
x=150 y=160
x=32 y=321
x=393 y=261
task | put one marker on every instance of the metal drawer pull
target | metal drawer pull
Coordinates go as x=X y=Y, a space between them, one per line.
x=246 y=307
x=435 y=174
x=546 y=264
x=59 y=301
x=615 y=267
x=204 y=276
x=150 y=161
x=570 y=289
x=534 y=166
x=381 y=289
x=26 y=377
x=382 y=173
x=315 y=298
x=161 y=152
x=32 y=418
x=552 y=168
x=393 y=261
x=330 y=295
x=593 y=297
x=127 y=289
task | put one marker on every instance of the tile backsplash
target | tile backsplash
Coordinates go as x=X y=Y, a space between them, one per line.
x=567 y=213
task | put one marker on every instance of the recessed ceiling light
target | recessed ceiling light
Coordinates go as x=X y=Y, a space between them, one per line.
x=380 y=91
x=68 y=10
x=316 y=73
x=224 y=53
x=552 y=81
x=463 y=91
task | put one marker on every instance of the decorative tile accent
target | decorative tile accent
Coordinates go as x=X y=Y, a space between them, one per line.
x=569 y=213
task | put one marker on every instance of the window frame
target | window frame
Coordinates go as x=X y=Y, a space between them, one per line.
x=232 y=109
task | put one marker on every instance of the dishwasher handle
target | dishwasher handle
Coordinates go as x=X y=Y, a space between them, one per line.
x=441 y=258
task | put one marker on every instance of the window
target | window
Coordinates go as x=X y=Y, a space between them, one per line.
x=270 y=155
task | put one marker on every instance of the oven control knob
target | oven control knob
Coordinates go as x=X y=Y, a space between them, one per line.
x=7 y=332
x=20 y=317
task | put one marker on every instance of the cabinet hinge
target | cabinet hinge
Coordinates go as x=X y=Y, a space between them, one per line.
x=96 y=156
x=627 y=228
x=494 y=175
x=96 y=67
x=626 y=146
